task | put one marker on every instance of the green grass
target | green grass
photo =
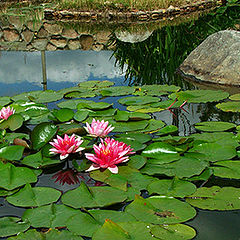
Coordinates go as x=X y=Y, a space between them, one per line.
x=118 y=4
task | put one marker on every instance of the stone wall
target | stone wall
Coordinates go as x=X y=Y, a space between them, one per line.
x=15 y=34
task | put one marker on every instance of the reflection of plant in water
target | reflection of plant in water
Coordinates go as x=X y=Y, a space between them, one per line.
x=156 y=59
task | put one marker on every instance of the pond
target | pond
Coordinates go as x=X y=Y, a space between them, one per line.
x=185 y=170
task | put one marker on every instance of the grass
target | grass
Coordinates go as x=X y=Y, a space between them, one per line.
x=118 y=4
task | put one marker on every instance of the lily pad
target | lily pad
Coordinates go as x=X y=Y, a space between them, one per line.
x=12 y=225
x=48 y=96
x=81 y=115
x=214 y=126
x=13 y=177
x=227 y=169
x=235 y=97
x=160 y=210
x=200 y=96
x=137 y=161
x=174 y=188
x=125 y=116
x=117 y=91
x=140 y=137
x=229 y=106
x=167 y=130
x=138 y=100
x=72 y=104
x=153 y=126
x=129 y=126
x=34 y=197
x=103 y=113
x=92 y=196
x=42 y=134
x=49 y=216
x=64 y=114
x=93 y=105
x=80 y=94
x=12 y=153
x=14 y=122
x=26 y=96
x=216 y=198
x=4 y=101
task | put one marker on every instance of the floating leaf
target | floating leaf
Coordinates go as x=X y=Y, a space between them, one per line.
x=81 y=115
x=129 y=126
x=215 y=152
x=174 y=188
x=136 y=145
x=214 y=126
x=34 y=197
x=227 y=169
x=12 y=153
x=117 y=91
x=42 y=134
x=9 y=137
x=200 y=96
x=153 y=125
x=173 y=232
x=140 y=137
x=92 y=196
x=49 y=216
x=81 y=94
x=229 y=106
x=72 y=104
x=26 y=96
x=14 y=122
x=235 y=97
x=93 y=105
x=137 y=161
x=138 y=100
x=13 y=177
x=4 y=192
x=4 y=100
x=144 y=108
x=64 y=114
x=103 y=113
x=160 y=210
x=48 y=96
x=215 y=198
x=12 y=225
x=167 y=130
x=125 y=116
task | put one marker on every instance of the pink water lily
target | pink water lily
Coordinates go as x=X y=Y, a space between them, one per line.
x=66 y=145
x=5 y=113
x=109 y=153
x=98 y=129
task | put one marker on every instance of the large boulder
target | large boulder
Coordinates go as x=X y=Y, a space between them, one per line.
x=216 y=60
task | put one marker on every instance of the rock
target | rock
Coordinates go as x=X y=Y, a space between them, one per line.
x=103 y=36
x=216 y=60
x=53 y=29
x=74 y=44
x=40 y=44
x=97 y=47
x=69 y=33
x=59 y=42
x=86 y=41
x=34 y=25
x=51 y=47
x=17 y=22
x=11 y=35
x=42 y=33
x=132 y=37
x=27 y=35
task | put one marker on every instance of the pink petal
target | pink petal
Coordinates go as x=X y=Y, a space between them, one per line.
x=113 y=169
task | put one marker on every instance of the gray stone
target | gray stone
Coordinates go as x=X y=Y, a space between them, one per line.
x=34 y=25
x=217 y=59
x=42 y=33
x=53 y=29
x=132 y=37
x=27 y=35
x=74 y=44
x=86 y=41
x=17 y=22
x=59 y=43
x=69 y=33
x=51 y=47
x=10 y=35
x=97 y=47
x=40 y=44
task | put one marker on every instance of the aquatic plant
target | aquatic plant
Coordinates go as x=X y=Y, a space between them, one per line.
x=109 y=153
x=98 y=128
x=66 y=145
x=5 y=113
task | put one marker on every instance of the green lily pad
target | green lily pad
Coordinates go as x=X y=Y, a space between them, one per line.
x=12 y=153
x=185 y=167
x=103 y=113
x=136 y=145
x=12 y=225
x=165 y=104
x=72 y=104
x=94 y=220
x=9 y=137
x=92 y=196
x=96 y=84
x=159 y=149
x=144 y=108
x=153 y=125
x=215 y=198
x=229 y=106
x=138 y=100
x=49 y=216
x=227 y=169
x=167 y=130
x=137 y=161
x=81 y=115
x=140 y=137
x=64 y=114
x=235 y=97
x=174 y=188
x=160 y=210
x=34 y=197
x=125 y=116
x=48 y=96
x=117 y=91
x=200 y=96
x=26 y=96
x=205 y=175
x=94 y=105
x=4 y=101
x=13 y=177
x=4 y=192
x=80 y=94
x=173 y=232
x=14 y=122
x=42 y=134
x=214 y=126
x=215 y=152
x=129 y=126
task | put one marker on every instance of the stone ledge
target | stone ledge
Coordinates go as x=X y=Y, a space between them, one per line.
x=130 y=16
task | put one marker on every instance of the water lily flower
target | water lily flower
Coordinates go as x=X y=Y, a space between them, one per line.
x=109 y=153
x=66 y=145
x=98 y=129
x=5 y=113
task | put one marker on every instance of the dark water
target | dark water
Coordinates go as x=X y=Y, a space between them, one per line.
x=152 y=61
